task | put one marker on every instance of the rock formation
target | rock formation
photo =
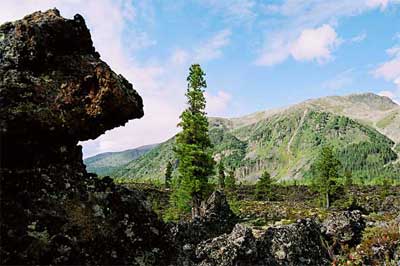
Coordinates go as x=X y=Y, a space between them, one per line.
x=236 y=248
x=216 y=219
x=344 y=228
x=54 y=92
x=295 y=244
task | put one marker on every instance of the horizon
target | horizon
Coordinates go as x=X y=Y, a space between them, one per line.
x=289 y=51
x=244 y=115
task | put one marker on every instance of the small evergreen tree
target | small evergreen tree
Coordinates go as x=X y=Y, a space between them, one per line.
x=168 y=174
x=264 y=187
x=327 y=173
x=193 y=147
x=230 y=181
x=221 y=175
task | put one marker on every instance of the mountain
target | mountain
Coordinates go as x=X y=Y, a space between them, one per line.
x=106 y=163
x=363 y=129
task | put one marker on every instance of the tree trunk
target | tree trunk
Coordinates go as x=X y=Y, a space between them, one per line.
x=327 y=200
x=196 y=205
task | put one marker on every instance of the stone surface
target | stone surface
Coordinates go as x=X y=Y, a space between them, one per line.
x=344 y=228
x=236 y=248
x=295 y=244
x=54 y=92
x=216 y=218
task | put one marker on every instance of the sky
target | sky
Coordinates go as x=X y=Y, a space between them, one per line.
x=257 y=54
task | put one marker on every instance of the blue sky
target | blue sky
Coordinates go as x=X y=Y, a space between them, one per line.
x=257 y=54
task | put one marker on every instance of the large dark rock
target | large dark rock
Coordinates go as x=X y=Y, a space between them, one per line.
x=216 y=219
x=296 y=244
x=343 y=228
x=236 y=248
x=54 y=92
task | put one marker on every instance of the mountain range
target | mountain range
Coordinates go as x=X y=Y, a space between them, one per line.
x=364 y=130
x=106 y=163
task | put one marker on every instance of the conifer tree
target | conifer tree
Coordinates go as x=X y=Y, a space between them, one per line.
x=230 y=181
x=168 y=174
x=221 y=175
x=264 y=187
x=327 y=173
x=193 y=147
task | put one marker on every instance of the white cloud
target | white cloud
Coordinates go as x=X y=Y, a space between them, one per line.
x=235 y=11
x=315 y=44
x=359 y=38
x=311 y=44
x=218 y=103
x=378 y=3
x=293 y=17
x=390 y=71
x=212 y=48
x=277 y=51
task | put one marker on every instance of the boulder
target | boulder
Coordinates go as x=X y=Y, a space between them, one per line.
x=343 y=228
x=54 y=92
x=236 y=248
x=293 y=245
x=216 y=219
x=296 y=244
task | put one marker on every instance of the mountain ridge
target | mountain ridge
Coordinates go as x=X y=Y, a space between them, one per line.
x=329 y=103
x=107 y=162
x=285 y=140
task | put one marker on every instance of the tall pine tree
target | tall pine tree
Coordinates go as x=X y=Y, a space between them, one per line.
x=327 y=173
x=264 y=187
x=193 y=147
x=221 y=175
x=168 y=174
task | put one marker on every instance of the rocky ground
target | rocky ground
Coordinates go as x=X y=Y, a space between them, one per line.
x=361 y=228
x=56 y=91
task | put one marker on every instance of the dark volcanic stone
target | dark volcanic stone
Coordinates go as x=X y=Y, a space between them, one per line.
x=344 y=228
x=236 y=248
x=216 y=219
x=296 y=244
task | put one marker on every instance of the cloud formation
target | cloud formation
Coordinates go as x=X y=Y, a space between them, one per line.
x=238 y=11
x=315 y=44
x=212 y=48
x=309 y=23
x=390 y=71
x=218 y=103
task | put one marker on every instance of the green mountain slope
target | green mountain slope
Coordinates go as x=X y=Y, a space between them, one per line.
x=287 y=141
x=106 y=163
